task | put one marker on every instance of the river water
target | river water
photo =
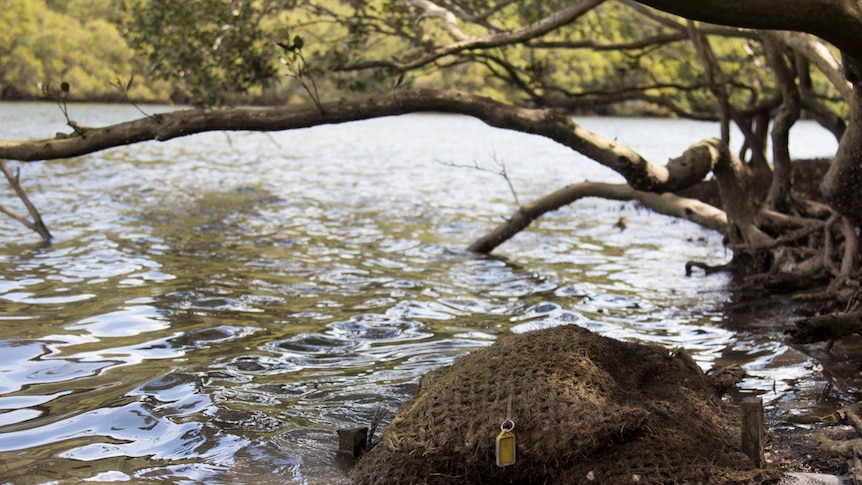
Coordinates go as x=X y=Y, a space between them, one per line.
x=213 y=308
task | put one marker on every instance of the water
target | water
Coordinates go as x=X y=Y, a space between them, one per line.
x=213 y=308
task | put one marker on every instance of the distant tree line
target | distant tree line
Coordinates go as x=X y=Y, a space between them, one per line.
x=617 y=59
x=46 y=42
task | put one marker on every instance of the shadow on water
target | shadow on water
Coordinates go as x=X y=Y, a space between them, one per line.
x=215 y=318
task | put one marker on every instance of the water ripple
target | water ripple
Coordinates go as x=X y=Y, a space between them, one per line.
x=214 y=308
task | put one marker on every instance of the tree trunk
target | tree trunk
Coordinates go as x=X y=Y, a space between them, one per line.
x=841 y=184
x=836 y=21
x=788 y=113
x=736 y=184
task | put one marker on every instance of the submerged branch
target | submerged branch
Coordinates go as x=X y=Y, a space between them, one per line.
x=668 y=204
x=37 y=224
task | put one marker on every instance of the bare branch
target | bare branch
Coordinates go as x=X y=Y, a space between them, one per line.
x=668 y=204
x=554 y=21
x=813 y=103
x=713 y=77
x=819 y=55
x=37 y=224
x=482 y=17
x=450 y=22
x=556 y=125
x=836 y=21
x=501 y=172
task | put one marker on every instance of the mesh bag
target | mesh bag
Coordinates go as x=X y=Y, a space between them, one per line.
x=587 y=409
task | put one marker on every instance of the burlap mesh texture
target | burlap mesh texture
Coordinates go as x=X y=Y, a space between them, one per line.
x=587 y=409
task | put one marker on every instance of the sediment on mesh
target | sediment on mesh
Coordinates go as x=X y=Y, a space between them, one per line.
x=584 y=406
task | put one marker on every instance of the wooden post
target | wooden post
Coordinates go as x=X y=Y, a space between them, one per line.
x=352 y=442
x=752 y=430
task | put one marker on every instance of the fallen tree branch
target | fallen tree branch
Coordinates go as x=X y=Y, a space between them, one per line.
x=707 y=268
x=842 y=448
x=678 y=174
x=668 y=204
x=846 y=448
x=37 y=224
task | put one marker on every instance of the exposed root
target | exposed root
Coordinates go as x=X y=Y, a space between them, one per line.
x=707 y=269
x=850 y=259
x=827 y=327
x=852 y=448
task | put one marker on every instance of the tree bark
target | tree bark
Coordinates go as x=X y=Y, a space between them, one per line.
x=836 y=21
x=735 y=181
x=787 y=115
x=842 y=181
x=819 y=55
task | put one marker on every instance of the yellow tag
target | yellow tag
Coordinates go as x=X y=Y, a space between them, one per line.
x=506 y=448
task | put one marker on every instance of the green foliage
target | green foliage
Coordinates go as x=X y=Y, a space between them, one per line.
x=619 y=58
x=214 y=47
x=43 y=43
x=18 y=64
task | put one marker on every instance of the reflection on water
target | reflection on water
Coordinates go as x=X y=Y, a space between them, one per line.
x=215 y=307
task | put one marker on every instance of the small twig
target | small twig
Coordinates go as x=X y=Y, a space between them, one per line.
x=61 y=97
x=707 y=268
x=299 y=68
x=125 y=88
x=272 y=139
x=312 y=92
x=15 y=182
x=501 y=172
x=505 y=175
